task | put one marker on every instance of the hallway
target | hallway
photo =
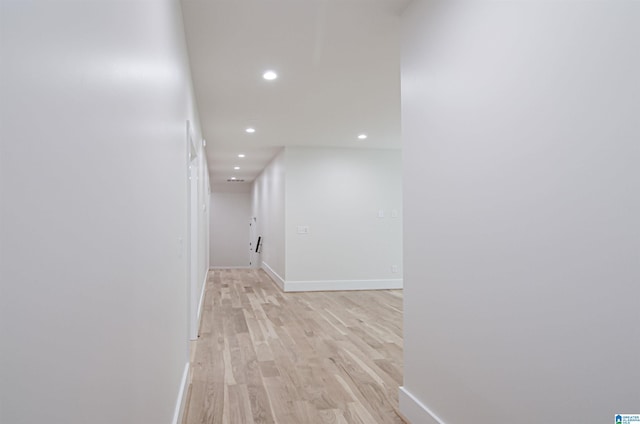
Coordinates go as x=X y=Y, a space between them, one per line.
x=265 y=356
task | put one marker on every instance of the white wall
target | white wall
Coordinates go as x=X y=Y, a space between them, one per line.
x=93 y=102
x=521 y=182
x=338 y=194
x=230 y=216
x=268 y=207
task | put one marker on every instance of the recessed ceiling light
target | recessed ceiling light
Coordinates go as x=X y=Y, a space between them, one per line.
x=232 y=178
x=236 y=167
x=241 y=155
x=250 y=130
x=362 y=136
x=269 y=75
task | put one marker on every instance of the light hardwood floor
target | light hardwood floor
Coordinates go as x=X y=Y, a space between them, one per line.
x=265 y=356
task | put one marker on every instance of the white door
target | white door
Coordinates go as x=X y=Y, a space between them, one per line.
x=192 y=232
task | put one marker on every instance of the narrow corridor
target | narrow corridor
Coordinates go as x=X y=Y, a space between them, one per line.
x=265 y=356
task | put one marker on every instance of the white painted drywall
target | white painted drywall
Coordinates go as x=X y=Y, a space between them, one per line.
x=230 y=216
x=338 y=195
x=268 y=207
x=521 y=190
x=94 y=99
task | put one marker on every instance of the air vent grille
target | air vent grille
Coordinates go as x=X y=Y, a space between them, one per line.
x=234 y=181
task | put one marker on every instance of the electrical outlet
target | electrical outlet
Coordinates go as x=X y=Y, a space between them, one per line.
x=394 y=269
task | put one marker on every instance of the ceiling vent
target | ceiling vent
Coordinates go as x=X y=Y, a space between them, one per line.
x=234 y=181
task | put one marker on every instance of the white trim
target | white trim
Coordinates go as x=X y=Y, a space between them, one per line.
x=204 y=285
x=182 y=392
x=414 y=410
x=274 y=276
x=230 y=267
x=337 y=285
x=330 y=285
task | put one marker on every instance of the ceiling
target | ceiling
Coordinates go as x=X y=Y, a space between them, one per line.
x=338 y=66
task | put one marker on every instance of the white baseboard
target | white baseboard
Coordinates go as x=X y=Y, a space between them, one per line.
x=204 y=286
x=337 y=285
x=182 y=395
x=414 y=410
x=274 y=276
x=330 y=285
x=196 y=306
x=230 y=267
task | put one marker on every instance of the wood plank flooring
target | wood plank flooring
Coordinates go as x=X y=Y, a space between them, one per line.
x=265 y=356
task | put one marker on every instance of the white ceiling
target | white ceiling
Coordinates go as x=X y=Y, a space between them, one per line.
x=338 y=65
